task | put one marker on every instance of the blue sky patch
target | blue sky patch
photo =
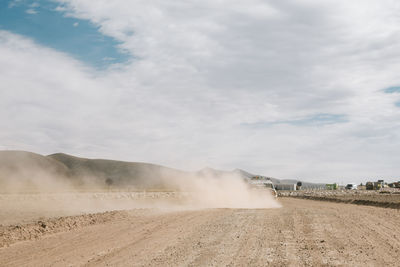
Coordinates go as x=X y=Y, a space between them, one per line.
x=393 y=89
x=320 y=119
x=41 y=21
x=314 y=120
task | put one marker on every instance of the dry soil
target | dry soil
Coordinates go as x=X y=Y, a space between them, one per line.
x=302 y=232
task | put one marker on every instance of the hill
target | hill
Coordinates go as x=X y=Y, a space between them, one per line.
x=118 y=173
x=21 y=170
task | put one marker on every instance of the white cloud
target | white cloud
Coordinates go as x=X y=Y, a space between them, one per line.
x=31 y=11
x=34 y=4
x=76 y=24
x=13 y=3
x=204 y=72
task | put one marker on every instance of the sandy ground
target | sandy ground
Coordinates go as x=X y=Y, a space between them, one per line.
x=302 y=232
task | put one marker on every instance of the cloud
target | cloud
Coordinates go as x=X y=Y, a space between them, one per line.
x=34 y=4
x=203 y=74
x=31 y=11
x=14 y=3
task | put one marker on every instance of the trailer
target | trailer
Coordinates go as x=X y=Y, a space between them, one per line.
x=290 y=187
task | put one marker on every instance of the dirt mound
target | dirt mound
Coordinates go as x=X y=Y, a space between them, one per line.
x=15 y=233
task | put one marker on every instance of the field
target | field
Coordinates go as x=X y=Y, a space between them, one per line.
x=301 y=232
x=389 y=197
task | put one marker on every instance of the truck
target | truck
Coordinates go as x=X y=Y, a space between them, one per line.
x=374 y=185
x=260 y=182
x=369 y=186
x=351 y=186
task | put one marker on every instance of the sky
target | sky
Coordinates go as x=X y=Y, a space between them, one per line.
x=307 y=89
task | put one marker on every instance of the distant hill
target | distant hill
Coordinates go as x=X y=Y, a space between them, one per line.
x=21 y=168
x=243 y=173
x=27 y=163
x=117 y=173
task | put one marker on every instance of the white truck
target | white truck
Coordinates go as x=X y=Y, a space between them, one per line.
x=351 y=186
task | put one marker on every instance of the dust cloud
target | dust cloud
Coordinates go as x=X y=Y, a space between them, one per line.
x=46 y=190
x=223 y=191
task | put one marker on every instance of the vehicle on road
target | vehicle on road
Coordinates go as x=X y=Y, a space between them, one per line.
x=351 y=186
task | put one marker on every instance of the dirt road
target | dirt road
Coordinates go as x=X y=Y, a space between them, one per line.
x=303 y=232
